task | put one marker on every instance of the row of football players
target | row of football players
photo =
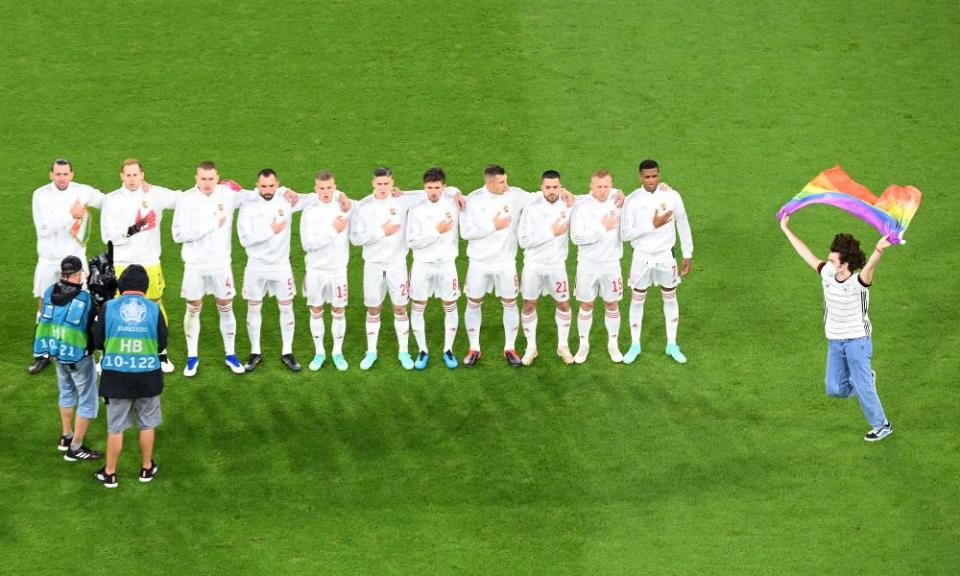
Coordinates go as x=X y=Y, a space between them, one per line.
x=494 y=220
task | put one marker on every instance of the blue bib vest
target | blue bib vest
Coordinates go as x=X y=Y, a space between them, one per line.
x=62 y=330
x=130 y=333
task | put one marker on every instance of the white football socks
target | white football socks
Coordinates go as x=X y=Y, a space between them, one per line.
x=417 y=324
x=191 y=328
x=338 y=327
x=373 y=331
x=612 y=321
x=563 y=328
x=287 y=323
x=529 y=323
x=254 y=321
x=671 y=315
x=228 y=328
x=471 y=319
x=636 y=315
x=401 y=324
x=511 y=325
x=584 y=322
x=317 y=330
x=451 y=321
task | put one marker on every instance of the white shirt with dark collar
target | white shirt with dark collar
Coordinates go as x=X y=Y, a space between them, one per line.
x=845 y=304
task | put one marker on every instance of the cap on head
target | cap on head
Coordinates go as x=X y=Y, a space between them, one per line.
x=134 y=279
x=70 y=266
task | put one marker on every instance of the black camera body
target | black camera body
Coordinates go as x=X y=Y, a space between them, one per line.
x=102 y=281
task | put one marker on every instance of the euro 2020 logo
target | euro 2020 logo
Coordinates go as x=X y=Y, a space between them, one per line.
x=133 y=311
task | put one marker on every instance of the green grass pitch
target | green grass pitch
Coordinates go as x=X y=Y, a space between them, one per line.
x=736 y=463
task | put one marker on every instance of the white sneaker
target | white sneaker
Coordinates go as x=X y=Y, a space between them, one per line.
x=614 y=350
x=190 y=368
x=582 y=354
x=529 y=355
x=564 y=353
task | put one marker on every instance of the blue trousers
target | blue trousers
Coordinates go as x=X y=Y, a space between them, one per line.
x=849 y=373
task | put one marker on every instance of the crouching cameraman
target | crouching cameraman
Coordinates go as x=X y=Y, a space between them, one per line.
x=63 y=332
x=130 y=332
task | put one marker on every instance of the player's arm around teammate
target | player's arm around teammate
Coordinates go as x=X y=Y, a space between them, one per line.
x=595 y=229
x=432 y=235
x=324 y=235
x=542 y=233
x=263 y=228
x=379 y=226
x=203 y=223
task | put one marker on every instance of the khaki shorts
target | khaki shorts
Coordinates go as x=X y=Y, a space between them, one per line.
x=119 y=413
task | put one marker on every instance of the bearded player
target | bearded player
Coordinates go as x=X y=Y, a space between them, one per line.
x=543 y=236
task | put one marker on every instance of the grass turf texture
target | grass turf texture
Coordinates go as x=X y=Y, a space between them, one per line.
x=734 y=463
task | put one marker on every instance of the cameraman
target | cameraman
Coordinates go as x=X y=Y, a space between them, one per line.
x=63 y=332
x=131 y=331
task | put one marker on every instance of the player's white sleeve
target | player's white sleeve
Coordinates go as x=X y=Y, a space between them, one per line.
x=410 y=198
x=167 y=198
x=471 y=228
x=113 y=228
x=247 y=232
x=243 y=196
x=94 y=196
x=362 y=230
x=635 y=219
x=48 y=224
x=303 y=201
x=420 y=235
x=531 y=233
x=683 y=228
x=185 y=226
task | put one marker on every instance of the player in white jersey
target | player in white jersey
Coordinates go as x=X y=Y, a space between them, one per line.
x=61 y=220
x=432 y=235
x=653 y=215
x=131 y=218
x=489 y=225
x=595 y=229
x=379 y=225
x=263 y=228
x=324 y=235
x=543 y=235
x=203 y=223
x=846 y=301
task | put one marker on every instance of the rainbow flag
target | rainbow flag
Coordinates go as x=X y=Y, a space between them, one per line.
x=890 y=214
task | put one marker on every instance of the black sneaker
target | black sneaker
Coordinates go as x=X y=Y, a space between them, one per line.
x=290 y=362
x=64 y=444
x=252 y=362
x=39 y=363
x=82 y=453
x=147 y=474
x=108 y=480
x=879 y=433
